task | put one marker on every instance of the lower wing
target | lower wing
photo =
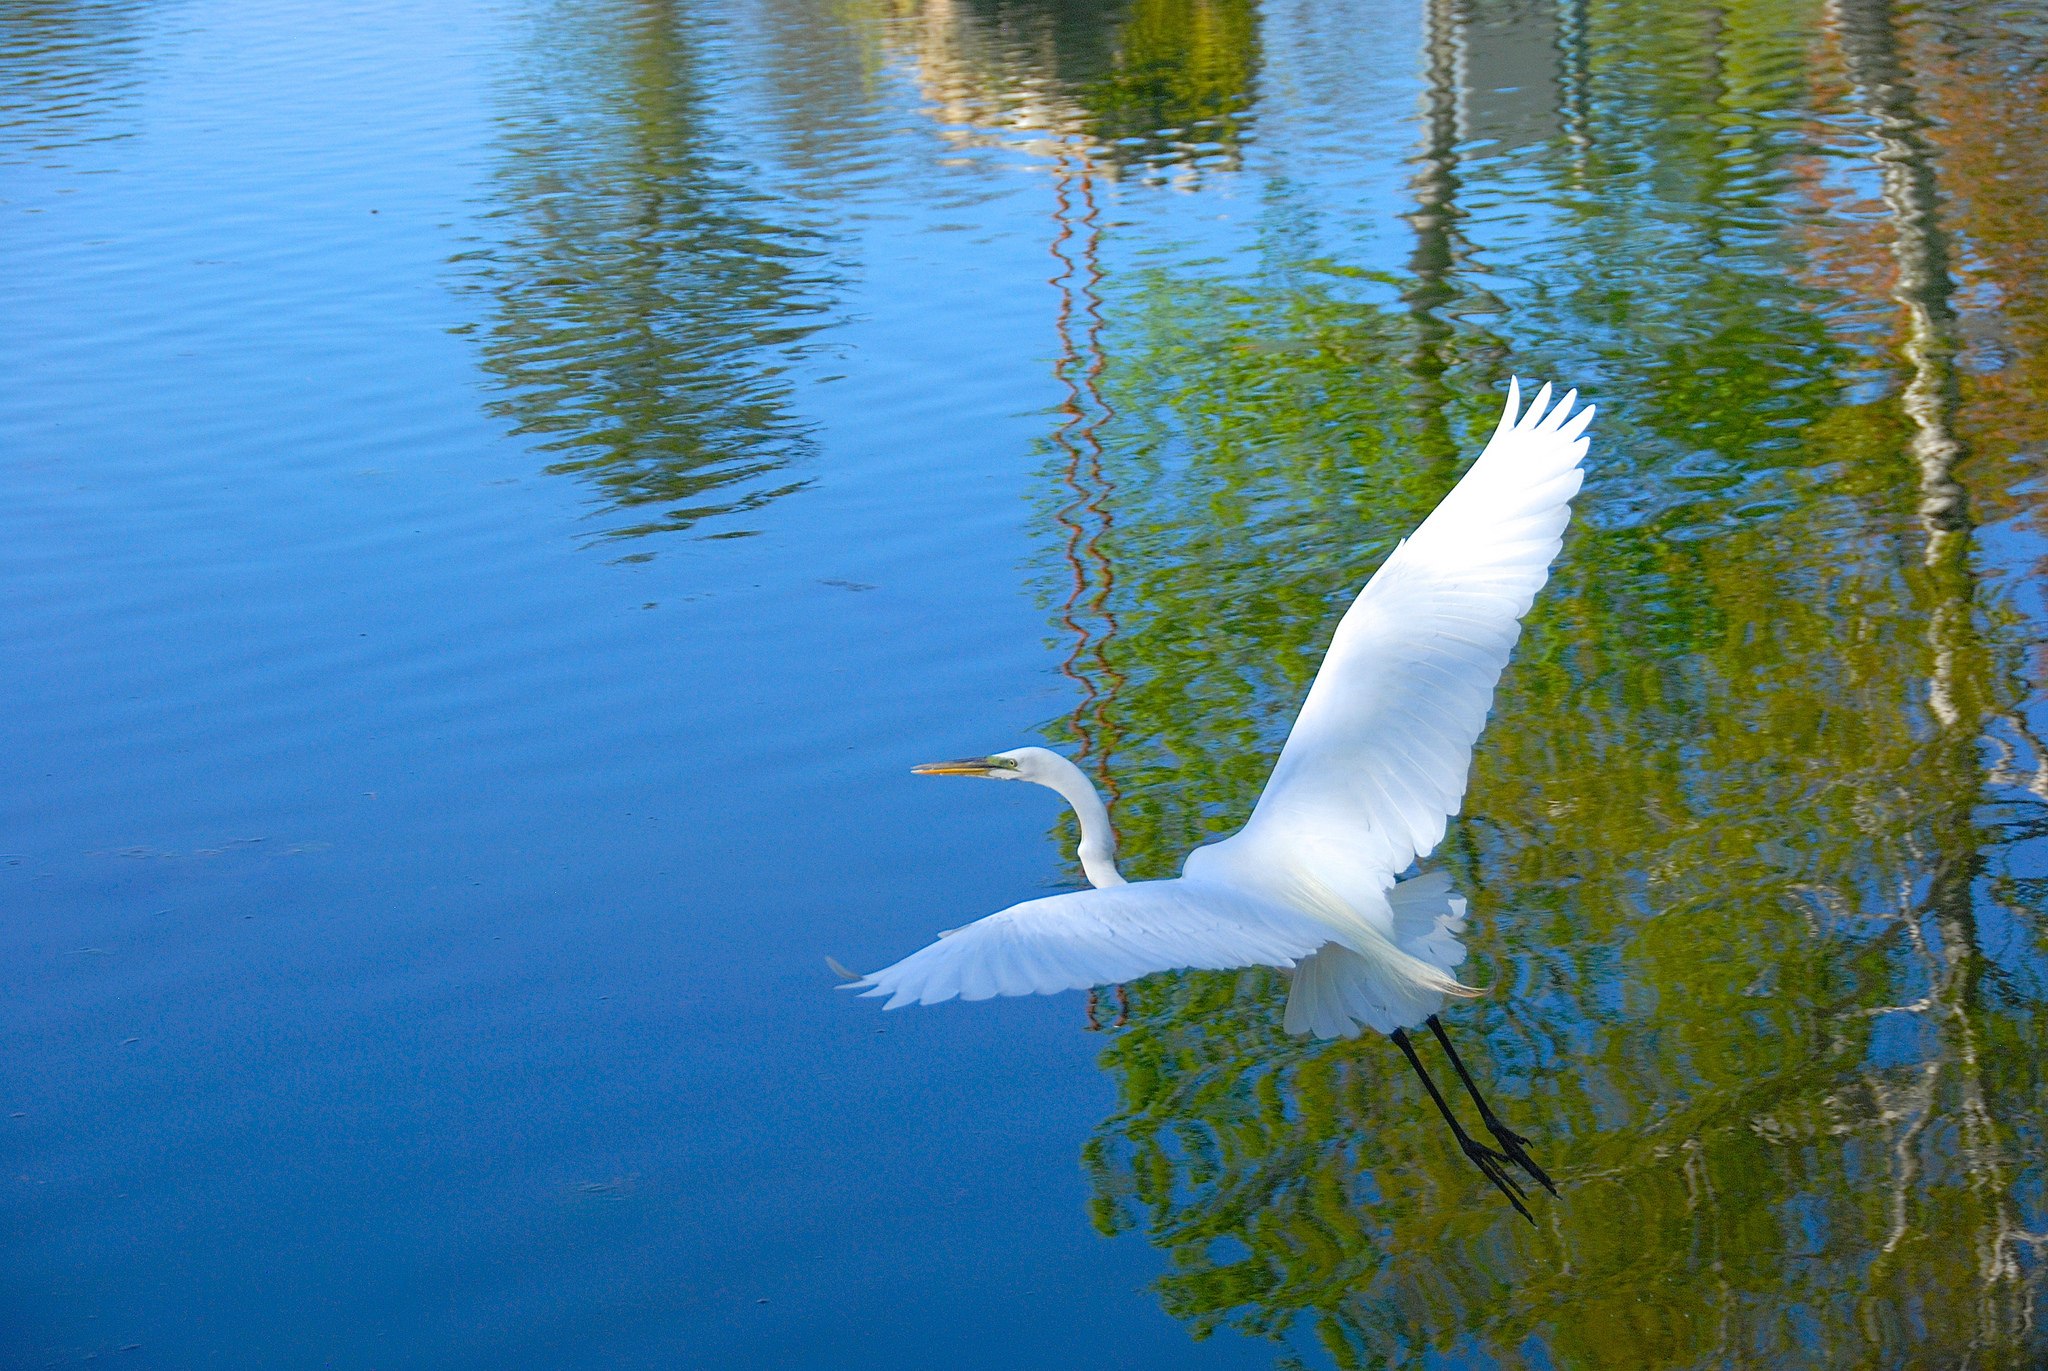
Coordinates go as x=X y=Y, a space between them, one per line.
x=1099 y=937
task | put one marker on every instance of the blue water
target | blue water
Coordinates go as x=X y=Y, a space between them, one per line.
x=416 y=913
x=494 y=497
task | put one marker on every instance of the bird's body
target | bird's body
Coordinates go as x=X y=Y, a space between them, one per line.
x=1375 y=765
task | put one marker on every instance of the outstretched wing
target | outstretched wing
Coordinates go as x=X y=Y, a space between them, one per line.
x=1379 y=755
x=1098 y=937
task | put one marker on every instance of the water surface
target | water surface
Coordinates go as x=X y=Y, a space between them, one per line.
x=497 y=494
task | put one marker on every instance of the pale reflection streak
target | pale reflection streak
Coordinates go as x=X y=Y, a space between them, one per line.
x=988 y=86
x=1867 y=31
x=1438 y=253
x=1574 y=82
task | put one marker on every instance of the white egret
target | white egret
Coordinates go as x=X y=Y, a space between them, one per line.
x=1375 y=765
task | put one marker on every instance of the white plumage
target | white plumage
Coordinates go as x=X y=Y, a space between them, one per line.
x=1375 y=765
x=1099 y=937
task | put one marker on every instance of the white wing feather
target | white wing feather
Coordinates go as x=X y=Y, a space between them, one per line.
x=1099 y=937
x=1375 y=765
x=1378 y=758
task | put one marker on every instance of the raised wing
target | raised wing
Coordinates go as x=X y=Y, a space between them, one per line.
x=1098 y=937
x=1378 y=758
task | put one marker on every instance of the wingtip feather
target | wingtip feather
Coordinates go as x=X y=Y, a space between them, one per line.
x=1561 y=411
x=1576 y=425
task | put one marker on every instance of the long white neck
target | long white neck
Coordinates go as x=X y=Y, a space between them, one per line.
x=1098 y=842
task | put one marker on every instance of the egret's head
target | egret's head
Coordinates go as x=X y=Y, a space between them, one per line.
x=1019 y=764
x=1049 y=769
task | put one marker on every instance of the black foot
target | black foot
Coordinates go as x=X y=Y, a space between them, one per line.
x=1493 y=1165
x=1512 y=1144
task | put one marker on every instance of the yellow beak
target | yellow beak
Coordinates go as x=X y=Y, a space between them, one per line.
x=966 y=766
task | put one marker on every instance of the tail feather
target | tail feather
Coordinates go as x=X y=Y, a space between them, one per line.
x=1428 y=919
x=1339 y=990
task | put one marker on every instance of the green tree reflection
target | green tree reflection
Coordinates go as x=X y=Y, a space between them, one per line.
x=648 y=292
x=1141 y=83
x=1769 y=959
x=1180 y=77
x=70 y=75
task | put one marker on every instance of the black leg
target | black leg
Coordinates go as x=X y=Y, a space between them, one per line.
x=1094 y=1026
x=1478 y=1153
x=1510 y=1141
